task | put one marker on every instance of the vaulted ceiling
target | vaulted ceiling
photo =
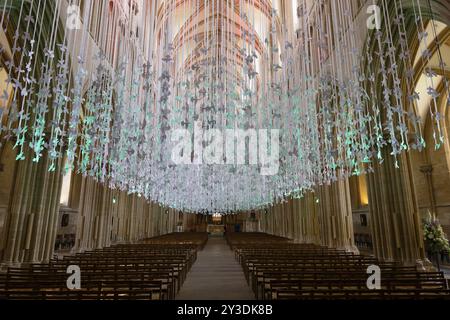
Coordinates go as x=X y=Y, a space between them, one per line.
x=217 y=31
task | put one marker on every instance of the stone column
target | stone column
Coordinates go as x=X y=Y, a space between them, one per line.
x=336 y=221
x=427 y=170
x=291 y=221
x=271 y=220
x=307 y=226
x=104 y=218
x=155 y=220
x=282 y=218
x=296 y=220
x=278 y=223
x=395 y=223
x=85 y=215
x=263 y=218
x=109 y=217
x=30 y=226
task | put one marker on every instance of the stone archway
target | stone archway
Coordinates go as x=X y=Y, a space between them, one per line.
x=393 y=198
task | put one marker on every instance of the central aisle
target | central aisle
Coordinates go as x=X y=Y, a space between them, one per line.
x=216 y=275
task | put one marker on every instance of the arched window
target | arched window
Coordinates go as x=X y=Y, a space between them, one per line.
x=65 y=189
x=363 y=195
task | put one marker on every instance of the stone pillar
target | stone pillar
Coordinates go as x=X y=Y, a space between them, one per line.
x=336 y=221
x=29 y=231
x=296 y=220
x=271 y=220
x=282 y=219
x=156 y=214
x=427 y=170
x=262 y=220
x=291 y=221
x=81 y=243
x=104 y=218
x=307 y=225
x=109 y=217
x=395 y=223
x=279 y=222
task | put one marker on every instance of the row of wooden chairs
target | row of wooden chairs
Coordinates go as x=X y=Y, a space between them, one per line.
x=152 y=270
x=198 y=239
x=278 y=269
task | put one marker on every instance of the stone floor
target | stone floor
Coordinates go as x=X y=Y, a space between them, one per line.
x=216 y=275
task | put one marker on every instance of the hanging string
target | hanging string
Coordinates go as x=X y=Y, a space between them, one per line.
x=109 y=96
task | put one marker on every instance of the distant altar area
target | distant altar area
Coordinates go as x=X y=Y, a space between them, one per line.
x=216 y=229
